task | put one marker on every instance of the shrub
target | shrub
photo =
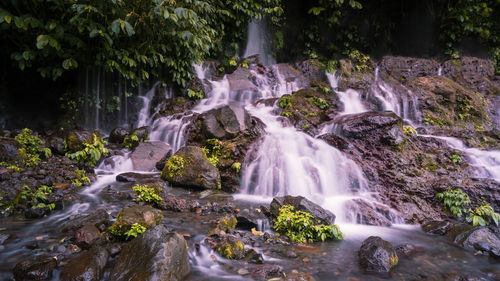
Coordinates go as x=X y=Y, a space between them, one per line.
x=481 y=215
x=195 y=95
x=31 y=148
x=134 y=231
x=81 y=178
x=92 y=153
x=146 y=194
x=36 y=198
x=455 y=201
x=174 y=165
x=300 y=226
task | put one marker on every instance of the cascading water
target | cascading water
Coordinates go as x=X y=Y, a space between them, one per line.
x=258 y=43
x=351 y=99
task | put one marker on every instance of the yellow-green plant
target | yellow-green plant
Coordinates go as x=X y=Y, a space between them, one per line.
x=31 y=148
x=455 y=158
x=92 y=153
x=301 y=226
x=174 y=165
x=236 y=166
x=135 y=230
x=481 y=214
x=320 y=103
x=132 y=140
x=81 y=178
x=455 y=201
x=213 y=150
x=36 y=198
x=146 y=194
x=285 y=102
x=409 y=131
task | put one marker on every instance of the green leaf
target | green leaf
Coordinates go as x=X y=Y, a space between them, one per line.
x=128 y=28
x=42 y=41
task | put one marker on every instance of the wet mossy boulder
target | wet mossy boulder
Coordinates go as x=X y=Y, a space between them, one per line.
x=189 y=167
x=301 y=203
x=225 y=122
x=88 y=266
x=117 y=135
x=137 y=136
x=75 y=139
x=231 y=247
x=377 y=255
x=144 y=215
x=224 y=225
x=39 y=268
x=156 y=255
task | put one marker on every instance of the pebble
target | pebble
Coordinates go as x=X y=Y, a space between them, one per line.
x=243 y=271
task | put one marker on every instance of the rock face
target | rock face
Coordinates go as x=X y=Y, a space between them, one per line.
x=86 y=235
x=36 y=269
x=155 y=255
x=436 y=227
x=87 y=266
x=384 y=125
x=302 y=204
x=225 y=122
x=403 y=68
x=368 y=213
x=146 y=154
x=145 y=215
x=137 y=177
x=480 y=238
x=377 y=255
x=189 y=167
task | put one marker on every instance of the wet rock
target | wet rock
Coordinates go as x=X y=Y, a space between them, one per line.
x=382 y=125
x=172 y=203
x=290 y=74
x=117 y=135
x=481 y=239
x=137 y=177
x=301 y=203
x=36 y=269
x=377 y=255
x=335 y=141
x=403 y=68
x=266 y=271
x=9 y=150
x=239 y=81
x=161 y=164
x=368 y=213
x=155 y=255
x=146 y=154
x=225 y=122
x=87 y=266
x=407 y=250
x=474 y=73
x=188 y=167
x=230 y=247
x=86 y=235
x=96 y=218
x=145 y=215
x=436 y=227
x=311 y=69
x=56 y=145
x=252 y=256
x=298 y=276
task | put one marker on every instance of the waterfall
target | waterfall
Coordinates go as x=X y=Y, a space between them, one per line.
x=258 y=42
x=351 y=99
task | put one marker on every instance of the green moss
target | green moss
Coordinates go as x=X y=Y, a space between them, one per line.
x=227 y=223
x=409 y=131
x=286 y=113
x=285 y=102
x=213 y=151
x=173 y=167
x=231 y=250
x=319 y=103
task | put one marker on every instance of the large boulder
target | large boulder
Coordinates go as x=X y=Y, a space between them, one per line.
x=144 y=215
x=146 y=154
x=377 y=255
x=369 y=213
x=155 y=255
x=87 y=266
x=403 y=68
x=301 y=203
x=240 y=81
x=39 y=268
x=225 y=122
x=9 y=150
x=386 y=126
x=85 y=236
x=189 y=167
x=473 y=73
x=117 y=135
x=481 y=239
x=75 y=139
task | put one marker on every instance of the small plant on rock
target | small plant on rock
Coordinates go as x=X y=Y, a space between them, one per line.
x=92 y=153
x=284 y=102
x=174 y=165
x=36 y=198
x=135 y=230
x=409 y=131
x=480 y=215
x=195 y=95
x=81 y=178
x=320 y=103
x=146 y=194
x=213 y=151
x=455 y=201
x=456 y=159
x=132 y=140
x=236 y=166
x=301 y=227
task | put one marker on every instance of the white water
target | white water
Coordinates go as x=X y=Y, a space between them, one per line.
x=258 y=43
x=486 y=163
x=351 y=99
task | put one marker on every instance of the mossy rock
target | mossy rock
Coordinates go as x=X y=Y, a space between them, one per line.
x=231 y=248
x=75 y=139
x=146 y=216
x=189 y=167
x=224 y=225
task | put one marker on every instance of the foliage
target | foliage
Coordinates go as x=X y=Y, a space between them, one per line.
x=132 y=140
x=195 y=95
x=320 y=103
x=174 y=165
x=455 y=201
x=236 y=166
x=360 y=60
x=81 y=178
x=481 y=214
x=31 y=148
x=456 y=158
x=409 y=131
x=36 y=198
x=300 y=226
x=146 y=194
x=92 y=153
x=284 y=102
x=138 y=39
x=134 y=231
x=213 y=151
x=14 y=168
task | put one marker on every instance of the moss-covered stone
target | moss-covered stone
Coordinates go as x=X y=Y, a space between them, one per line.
x=146 y=216
x=231 y=248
